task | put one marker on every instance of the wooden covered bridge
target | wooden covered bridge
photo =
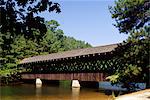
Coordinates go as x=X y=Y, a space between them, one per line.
x=81 y=64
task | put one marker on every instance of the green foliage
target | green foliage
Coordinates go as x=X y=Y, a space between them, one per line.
x=132 y=17
x=113 y=78
x=133 y=63
x=130 y=14
x=21 y=16
x=21 y=47
x=20 y=29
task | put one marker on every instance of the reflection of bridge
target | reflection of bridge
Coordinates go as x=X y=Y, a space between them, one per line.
x=80 y=64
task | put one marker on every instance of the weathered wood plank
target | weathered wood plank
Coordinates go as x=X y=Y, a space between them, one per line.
x=67 y=76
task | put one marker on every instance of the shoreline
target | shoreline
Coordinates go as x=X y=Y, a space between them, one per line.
x=10 y=84
x=139 y=95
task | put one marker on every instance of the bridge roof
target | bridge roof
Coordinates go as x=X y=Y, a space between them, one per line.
x=71 y=53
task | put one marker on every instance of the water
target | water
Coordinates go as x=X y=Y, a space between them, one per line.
x=50 y=92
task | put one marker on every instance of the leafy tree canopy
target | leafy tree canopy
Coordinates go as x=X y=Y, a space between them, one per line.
x=132 y=17
x=130 y=14
x=133 y=61
x=21 y=16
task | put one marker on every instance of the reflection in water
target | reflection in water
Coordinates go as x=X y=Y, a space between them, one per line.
x=49 y=92
x=75 y=93
x=38 y=85
x=38 y=89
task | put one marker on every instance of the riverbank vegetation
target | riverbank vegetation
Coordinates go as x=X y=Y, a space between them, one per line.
x=133 y=18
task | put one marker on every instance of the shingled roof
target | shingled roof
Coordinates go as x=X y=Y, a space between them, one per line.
x=71 y=53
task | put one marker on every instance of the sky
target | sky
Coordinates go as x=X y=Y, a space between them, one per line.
x=87 y=20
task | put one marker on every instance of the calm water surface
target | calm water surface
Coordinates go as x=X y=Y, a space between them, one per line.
x=49 y=92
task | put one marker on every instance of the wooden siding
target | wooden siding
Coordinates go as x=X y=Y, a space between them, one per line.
x=67 y=76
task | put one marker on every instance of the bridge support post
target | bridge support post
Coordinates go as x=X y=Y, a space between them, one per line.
x=75 y=84
x=38 y=82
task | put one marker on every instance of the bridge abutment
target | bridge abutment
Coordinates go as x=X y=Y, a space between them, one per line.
x=38 y=82
x=75 y=84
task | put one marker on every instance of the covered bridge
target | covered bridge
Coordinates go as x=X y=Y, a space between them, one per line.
x=80 y=64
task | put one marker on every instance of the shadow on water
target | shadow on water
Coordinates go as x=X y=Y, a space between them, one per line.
x=89 y=84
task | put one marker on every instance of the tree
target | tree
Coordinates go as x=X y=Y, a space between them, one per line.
x=132 y=61
x=130 y=14
x=21 y=16
x=52 y=25
x=132 y=17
